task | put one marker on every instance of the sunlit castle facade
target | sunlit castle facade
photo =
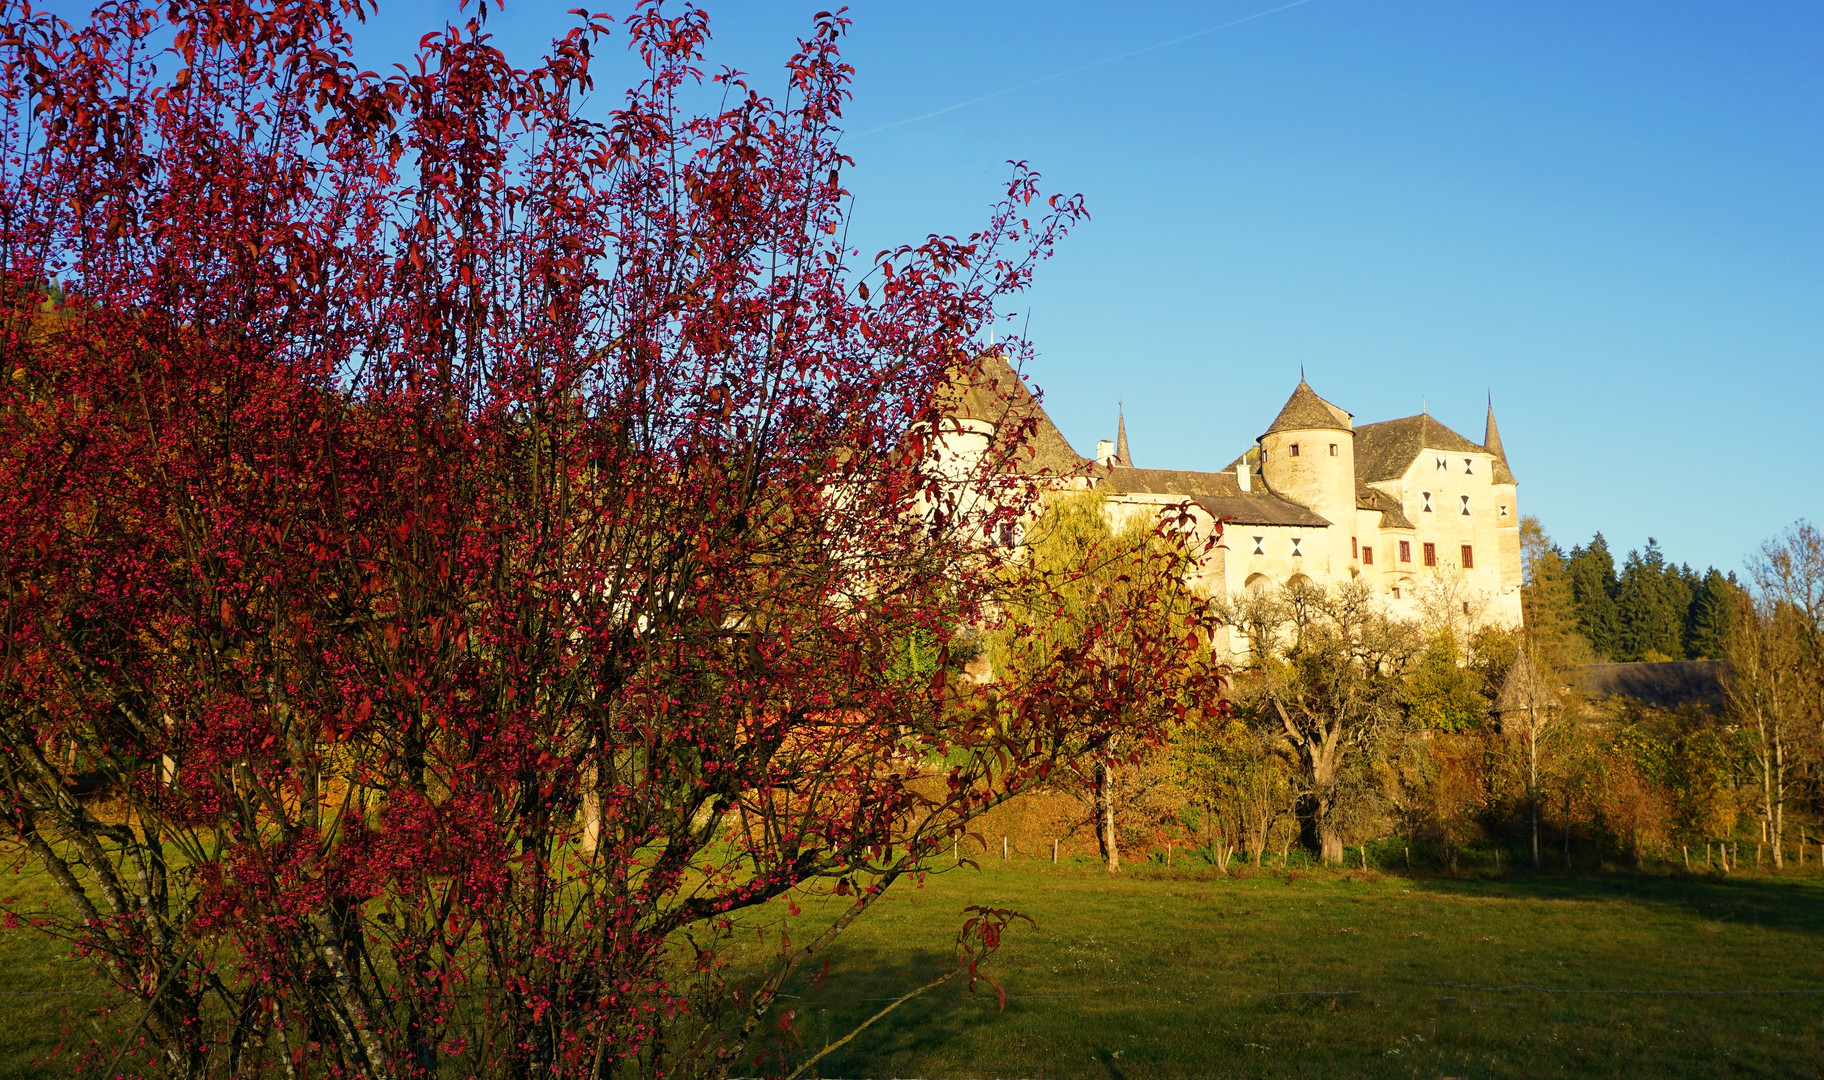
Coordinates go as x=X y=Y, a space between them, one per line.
x=1428 y=519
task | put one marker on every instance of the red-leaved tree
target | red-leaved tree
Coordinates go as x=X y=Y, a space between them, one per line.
x=460 y=549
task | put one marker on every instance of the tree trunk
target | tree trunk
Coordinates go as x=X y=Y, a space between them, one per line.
x=1105 y=815
x=1332 y=844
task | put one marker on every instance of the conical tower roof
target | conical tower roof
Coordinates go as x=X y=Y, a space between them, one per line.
x=1121 y=438
x=1305 y=410
x=1491 y=443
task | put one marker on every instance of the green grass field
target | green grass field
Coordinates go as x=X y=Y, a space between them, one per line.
x=1153 y=974
x=1167 y=974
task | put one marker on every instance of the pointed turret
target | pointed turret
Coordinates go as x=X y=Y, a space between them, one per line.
x=1305 y=411
x=1491 y=442
x=1121 y=437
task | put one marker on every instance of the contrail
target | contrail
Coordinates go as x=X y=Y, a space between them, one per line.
x=1081 y=67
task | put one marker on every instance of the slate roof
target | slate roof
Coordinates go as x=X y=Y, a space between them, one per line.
x=1384 y=450
x=1491 y=442
x=1393 y=516
x=1525 y=688
x=1305 y=410
x=989 y=389
x=1217 y=492
x=1663 y=685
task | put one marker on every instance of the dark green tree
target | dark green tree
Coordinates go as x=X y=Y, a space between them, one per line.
x=1713 y=606
x=1652 y=602
x=1593 y=590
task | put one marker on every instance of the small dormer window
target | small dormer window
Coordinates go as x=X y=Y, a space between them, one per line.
x=1293 y=450
x=1469 y=466
x=1332 y=449
x=1258 y=548
x=1296 y=542
x=1465 y=499
x=1425 y=501
x=1441 y=465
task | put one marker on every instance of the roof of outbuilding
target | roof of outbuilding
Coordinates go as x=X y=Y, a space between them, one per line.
x=1525 y=688
x=1665 y=685
x=988 y=389
x=1305 y=410
x=1383 y=450
x=1217 y=492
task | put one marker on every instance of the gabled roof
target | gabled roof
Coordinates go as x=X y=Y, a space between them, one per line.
x=1384 y=450
x=1393 y=515
x=987 y=388
x=1219 y=493
x=1304 y=410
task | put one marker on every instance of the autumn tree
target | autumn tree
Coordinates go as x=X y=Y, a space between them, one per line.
x=1337 y=688
x=1084 y=587
x=1238 y=777
x=515 y=515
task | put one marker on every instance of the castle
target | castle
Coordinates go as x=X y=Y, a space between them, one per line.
x=1426 y=517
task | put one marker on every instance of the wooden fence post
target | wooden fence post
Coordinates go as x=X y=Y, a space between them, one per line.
x=1054 y=849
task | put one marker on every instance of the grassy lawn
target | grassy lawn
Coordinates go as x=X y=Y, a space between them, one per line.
x=1154 y=974
x=1187 y=973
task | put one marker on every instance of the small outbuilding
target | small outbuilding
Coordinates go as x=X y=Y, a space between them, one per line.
x=1525 y=694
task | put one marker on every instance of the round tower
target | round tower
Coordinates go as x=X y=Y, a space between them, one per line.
x=1308 y=456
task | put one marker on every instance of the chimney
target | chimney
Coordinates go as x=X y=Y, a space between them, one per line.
x=1105 y=451
x=1243 y=477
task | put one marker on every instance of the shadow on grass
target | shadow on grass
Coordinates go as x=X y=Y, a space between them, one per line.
x=863 y=981
x=1794 y=905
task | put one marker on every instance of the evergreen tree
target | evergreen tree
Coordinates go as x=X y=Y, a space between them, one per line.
x=1713 y=607
x=1652 y=603
x=1548 y=606
x=1593 y=589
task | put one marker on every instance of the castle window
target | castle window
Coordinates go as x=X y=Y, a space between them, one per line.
x=1006 y=534
x=1431 y=554
x=1367 y=555
x=1396 y=592
x=1465 y=499
x=1425 y=501
x=1295 y=547
x=1466 y=607
x=1258 y=549
x=1352 y=551
x=1441 y=465
x=1469 y=467
x=1503 y=509
x=1405 y=551
x=1332 y=449
x=1469 y=557
x=1293 y=451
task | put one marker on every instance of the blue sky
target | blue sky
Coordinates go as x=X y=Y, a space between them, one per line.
x=1607 y=215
